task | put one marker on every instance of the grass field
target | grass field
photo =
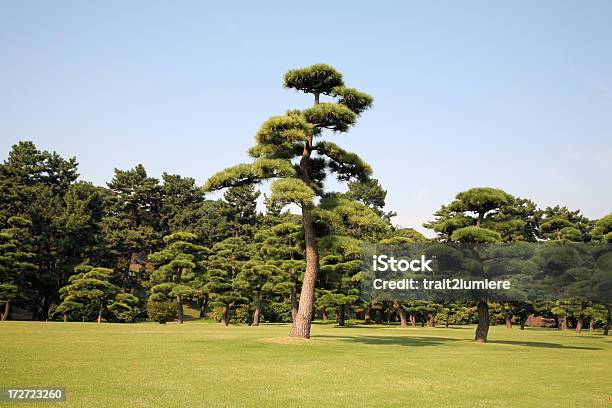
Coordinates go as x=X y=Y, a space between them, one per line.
x=206 y=364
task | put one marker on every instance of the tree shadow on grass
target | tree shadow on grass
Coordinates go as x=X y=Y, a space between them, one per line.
x=414 y=341
x=541 y=345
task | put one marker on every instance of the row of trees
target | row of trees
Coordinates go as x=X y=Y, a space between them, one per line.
x=146 y=247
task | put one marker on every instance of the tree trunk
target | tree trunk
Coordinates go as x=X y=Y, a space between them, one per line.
x=430 y=322
x=100 y=314
x=179 y=306
x=482 y=330
x=367 y=318
x=592 y=325
x=413 y=319
x=257 y=313
x=65 y=317
x=294 y=301
x=579 y=322
x=564 y=323
x=523 y=321
x=379 y=316
x=507 y=318
x=608 y=320
x=7 y=310
x=301 y=324
x=340 y=314
x=203 y=307
x=325 y=316
x=402 y=314
x=226 y=315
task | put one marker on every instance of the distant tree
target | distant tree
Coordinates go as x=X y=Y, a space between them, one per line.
x=132 y=224
x=282 y=139
x=16 y=266
x=241 y=212
x=603 y=229
x=176 y=268
x=470 y=218
x=90 y=286
x=227 y=260
x=559 y=223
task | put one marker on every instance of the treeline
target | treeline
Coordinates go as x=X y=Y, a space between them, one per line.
x=142 y=248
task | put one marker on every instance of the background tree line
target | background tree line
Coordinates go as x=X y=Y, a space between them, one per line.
x=143 y=248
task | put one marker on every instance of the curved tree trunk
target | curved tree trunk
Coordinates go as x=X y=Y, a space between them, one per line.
x=402 y=314
x=301 y=323
x=413 y=319
x=482 y=330
x=179 y=306
x=7 y=310
x=226 y=314
x=257 y=313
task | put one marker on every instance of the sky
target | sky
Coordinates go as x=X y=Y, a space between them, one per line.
x=514 y=95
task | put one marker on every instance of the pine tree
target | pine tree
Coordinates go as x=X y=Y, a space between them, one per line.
x=89 y=287
x=16 y=265
x=284 y=138
x=177 y=267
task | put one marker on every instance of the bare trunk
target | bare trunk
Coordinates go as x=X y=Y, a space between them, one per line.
x=7 y=310
x=523 y=321
x=340 y=316
x=367 y=318
x=100 y=314
x=325 y=316
x=203 y=306
x=256 y=315
x=413 y=319
x=430 y=320
x=402 y=314
x=482 y=330
x=579 y=322
x=564 y=323
x=226 y=315
x=507 y=318
x=303 y=319
x=592 y=325
x=65 y=317
x=179 y=306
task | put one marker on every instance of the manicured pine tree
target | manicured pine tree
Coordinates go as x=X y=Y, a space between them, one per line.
x=176 y=267
x=282 y=139
x=559 y=223
x=603 y=229
x=223 y=266
x=254 y=281
x=90 y=286
x=464 y=221
x=16 y=266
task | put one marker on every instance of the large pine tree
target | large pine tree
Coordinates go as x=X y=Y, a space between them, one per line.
x=287 y=150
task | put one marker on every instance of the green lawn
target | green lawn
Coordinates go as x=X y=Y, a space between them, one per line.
x=204 y=365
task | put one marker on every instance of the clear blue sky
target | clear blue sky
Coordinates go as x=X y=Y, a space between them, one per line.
x=515 y=95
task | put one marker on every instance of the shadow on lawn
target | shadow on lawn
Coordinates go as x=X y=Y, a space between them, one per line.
x=424 y=341
x=542 y=345
x=414 y=341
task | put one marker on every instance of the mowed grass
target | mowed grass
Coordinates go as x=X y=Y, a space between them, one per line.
x=208 y=365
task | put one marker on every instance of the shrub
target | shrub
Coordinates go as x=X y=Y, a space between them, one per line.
x=161 y=312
